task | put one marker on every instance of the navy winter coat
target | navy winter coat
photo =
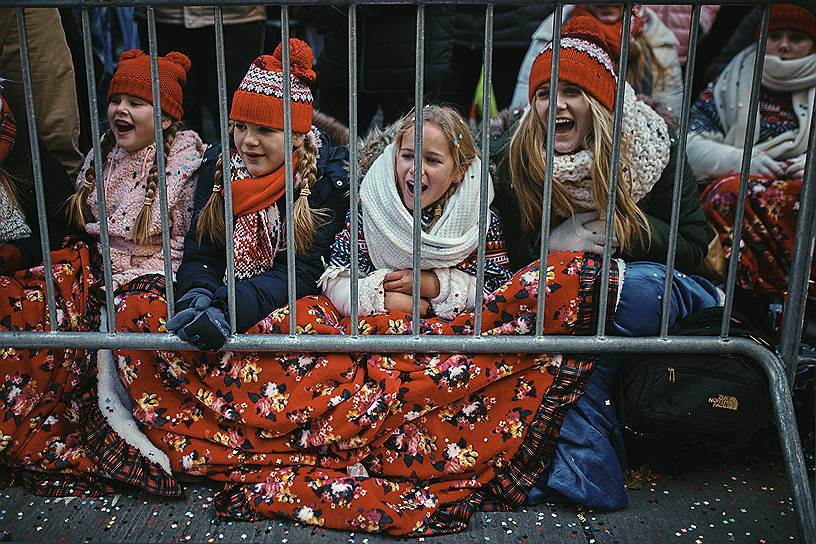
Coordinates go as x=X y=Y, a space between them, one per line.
x=204 y=263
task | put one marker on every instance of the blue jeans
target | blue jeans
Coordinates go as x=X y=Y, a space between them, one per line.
x=589 y=460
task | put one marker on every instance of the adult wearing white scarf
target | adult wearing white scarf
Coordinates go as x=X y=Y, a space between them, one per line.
x=717 y=134
x=450 y=233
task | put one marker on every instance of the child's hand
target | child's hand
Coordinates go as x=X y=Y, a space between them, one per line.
x=795 y=168
x=401 y=302
x=401 y=281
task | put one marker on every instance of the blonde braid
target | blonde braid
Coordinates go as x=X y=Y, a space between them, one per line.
x=77 y=203
x=306 y=220
x=141 y=229
x=210 y=223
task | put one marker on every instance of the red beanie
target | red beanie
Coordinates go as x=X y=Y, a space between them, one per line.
x=259 y=98
x=611 y=32
x=8 y=129
x=133 y=77
x=585 y=62
x=790 y=17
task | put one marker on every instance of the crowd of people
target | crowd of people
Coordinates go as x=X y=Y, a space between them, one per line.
x=407 y=444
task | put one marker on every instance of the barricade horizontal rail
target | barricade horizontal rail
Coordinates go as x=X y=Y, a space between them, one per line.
x=778 y=369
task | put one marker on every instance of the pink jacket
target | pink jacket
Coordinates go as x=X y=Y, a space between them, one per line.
x=678 y=19
x=125 y=178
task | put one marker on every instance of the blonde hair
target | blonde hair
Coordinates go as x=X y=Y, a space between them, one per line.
x=642 y=60
x=77 y=205
x=210 y=224
x=528 y=166
x=461 y=146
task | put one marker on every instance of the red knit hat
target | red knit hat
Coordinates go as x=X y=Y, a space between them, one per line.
x=8 y=130
x=259 y=98
x=790 y=17
x=132 y=77
x=611 y=32
x=585 y=62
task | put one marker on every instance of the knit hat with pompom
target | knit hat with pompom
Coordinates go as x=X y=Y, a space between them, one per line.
x=584 y=61
x=132 y=77
x=259 y=98
x=790 y=17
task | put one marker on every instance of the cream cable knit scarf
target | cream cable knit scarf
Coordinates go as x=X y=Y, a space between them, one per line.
x=732 y=92
x=388 y=225
x=649 y=151
x=12 y=222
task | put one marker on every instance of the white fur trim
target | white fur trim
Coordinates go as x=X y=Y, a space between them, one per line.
x=458 y=296
x=117 y=407
x=371 y=294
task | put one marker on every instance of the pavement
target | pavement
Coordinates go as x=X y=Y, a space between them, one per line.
x=745 y=501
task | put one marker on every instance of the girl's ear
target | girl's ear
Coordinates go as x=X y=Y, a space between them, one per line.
x=297 y=141
x=166 y=122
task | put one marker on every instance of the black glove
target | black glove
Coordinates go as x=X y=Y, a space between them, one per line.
x=188 y=307
x=207 y=331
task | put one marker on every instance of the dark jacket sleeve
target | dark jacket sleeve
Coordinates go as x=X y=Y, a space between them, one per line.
x=522 y=249
x=693 y=233
x=203 y=263
x=58 y=188
x=257 y=297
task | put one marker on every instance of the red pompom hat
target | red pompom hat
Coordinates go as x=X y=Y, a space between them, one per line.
x=259 y=98
x=611 y=32
x=585 y=62
x=132 y=77
x=790 y=17
x=8 y=129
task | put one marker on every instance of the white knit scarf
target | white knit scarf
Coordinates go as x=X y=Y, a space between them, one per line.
x=257 y=236
x=388 y=225
x=12 y=222
x=732 y=93
x=649 y=151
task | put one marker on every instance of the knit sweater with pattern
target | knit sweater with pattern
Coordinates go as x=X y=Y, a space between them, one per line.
x=125 y=175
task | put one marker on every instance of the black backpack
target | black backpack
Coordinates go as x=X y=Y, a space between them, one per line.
x=679 y=411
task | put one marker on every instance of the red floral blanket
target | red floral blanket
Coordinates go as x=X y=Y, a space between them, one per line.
x=404 y=444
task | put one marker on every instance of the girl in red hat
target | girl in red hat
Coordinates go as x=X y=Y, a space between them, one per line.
x=128 y=168
x=450 y=184
x=257 y=167
x=717 y=126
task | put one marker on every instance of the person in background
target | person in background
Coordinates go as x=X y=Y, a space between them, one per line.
x=190 y=30
x=678 y=19
x=715 y=147
x=52 y=79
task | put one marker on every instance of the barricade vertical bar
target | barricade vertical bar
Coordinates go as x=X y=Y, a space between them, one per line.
x=418 y=92
x=745 y=167
x=793 y=315
x=290 y=189
x=548 y=173
x=487 y=78
x=225 y=164
x=160 y=159
x=353 y=181
x=679 y=170
x=39 y=188
x=90 y=79
x=620 y=92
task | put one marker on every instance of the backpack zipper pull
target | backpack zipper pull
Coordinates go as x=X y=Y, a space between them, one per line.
x=670 y=370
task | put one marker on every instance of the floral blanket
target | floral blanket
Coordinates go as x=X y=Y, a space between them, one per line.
x=768 y=229
x=405 y=444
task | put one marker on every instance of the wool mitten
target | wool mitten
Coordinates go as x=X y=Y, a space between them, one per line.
x=188 y=307
x=571 y=235
x=208 y=331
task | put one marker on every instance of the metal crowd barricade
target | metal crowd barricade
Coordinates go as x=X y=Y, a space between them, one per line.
x=779 y=369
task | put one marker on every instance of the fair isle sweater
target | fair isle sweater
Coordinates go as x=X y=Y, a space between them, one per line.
x=125 y=177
